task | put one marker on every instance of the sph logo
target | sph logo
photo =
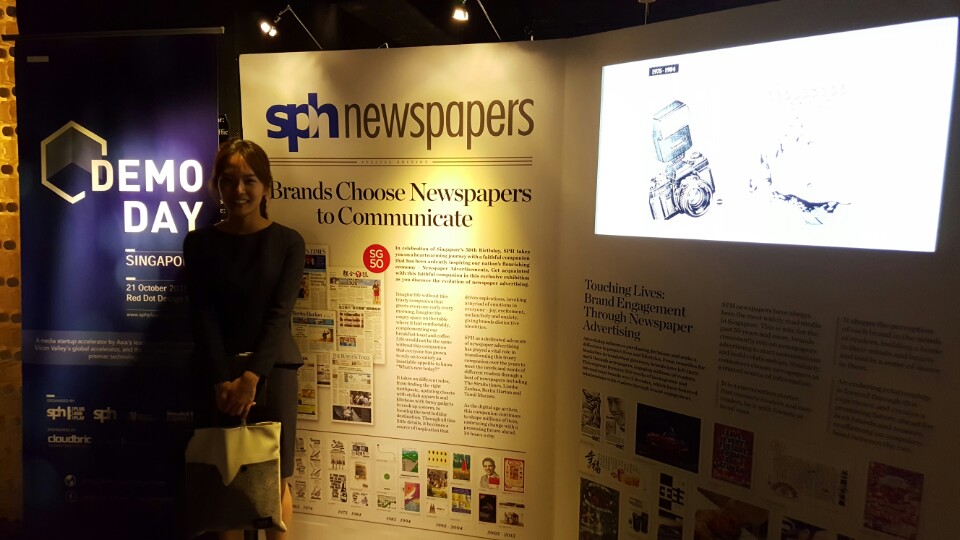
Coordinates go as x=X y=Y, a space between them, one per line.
x=104 y=415
x=66 y=413
x=286 y=118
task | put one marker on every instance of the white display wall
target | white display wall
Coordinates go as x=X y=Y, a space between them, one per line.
x=654 y=381
x=792 y=391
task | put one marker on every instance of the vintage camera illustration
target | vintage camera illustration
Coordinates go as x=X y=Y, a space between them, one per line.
x=686 y=184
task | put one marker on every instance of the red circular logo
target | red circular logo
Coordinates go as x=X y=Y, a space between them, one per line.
x=376 y=258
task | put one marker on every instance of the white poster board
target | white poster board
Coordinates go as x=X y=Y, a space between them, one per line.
x=417 y=189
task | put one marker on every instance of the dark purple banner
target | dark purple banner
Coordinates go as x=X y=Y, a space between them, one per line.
x=116 y=138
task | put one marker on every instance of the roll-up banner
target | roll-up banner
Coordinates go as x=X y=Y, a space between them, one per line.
x=116 y=135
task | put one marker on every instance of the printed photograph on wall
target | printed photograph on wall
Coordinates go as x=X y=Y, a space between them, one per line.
x=360 y=498
x=672 y=502
x=590 y=415
x=338 y=487
x=668 y=437
x=794 y=529
x=670 y=526
x=437 y=483
x=300 y=489
x=487 y=512
x=461 y=500
x=806 y=475
x=338 y=455
x=411 y=496
x=719 y=517
x=360 y=479
x=386 y=502
x=599 y=511
x=893 y=499
x=511 y=513
x=513 y=475
x=637 y=518
x=732 y=455
x=461 y=467
x=313 y=284
x=615 y=422
x=410 y=461
x=491 y=477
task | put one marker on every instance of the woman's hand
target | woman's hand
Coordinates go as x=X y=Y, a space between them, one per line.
x=246 y=391
x=236 y=397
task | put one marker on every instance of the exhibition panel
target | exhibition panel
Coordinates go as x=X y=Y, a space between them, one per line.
x=691 y=280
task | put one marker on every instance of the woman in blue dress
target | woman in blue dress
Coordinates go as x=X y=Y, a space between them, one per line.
x=243 y=277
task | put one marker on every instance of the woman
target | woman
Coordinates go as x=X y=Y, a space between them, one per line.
x=243 y=275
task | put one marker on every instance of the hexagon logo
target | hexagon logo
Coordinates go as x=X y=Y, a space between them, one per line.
x=71 y=144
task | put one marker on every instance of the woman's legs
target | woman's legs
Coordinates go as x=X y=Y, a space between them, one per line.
x=286 y=511
x=280 y=404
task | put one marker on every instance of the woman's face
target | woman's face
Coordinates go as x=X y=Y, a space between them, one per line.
x=240 y=189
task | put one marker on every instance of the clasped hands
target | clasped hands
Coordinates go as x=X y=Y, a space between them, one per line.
x=236 y=397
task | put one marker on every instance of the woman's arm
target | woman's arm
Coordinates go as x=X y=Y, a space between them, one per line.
x=276 y=323
x=203 y=317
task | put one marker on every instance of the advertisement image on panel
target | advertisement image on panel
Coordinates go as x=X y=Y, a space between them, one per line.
x=834 y=140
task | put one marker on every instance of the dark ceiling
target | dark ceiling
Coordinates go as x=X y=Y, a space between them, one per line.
x=360 y=24
x=350 y=24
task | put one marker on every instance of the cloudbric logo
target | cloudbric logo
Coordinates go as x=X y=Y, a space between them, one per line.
x=76 y=145
x=467 y=120
x=70 y=439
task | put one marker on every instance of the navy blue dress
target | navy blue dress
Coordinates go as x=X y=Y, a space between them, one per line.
x=242 y=290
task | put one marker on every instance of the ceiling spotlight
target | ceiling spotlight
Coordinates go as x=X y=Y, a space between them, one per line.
x=460 y=12
x=270 y=29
